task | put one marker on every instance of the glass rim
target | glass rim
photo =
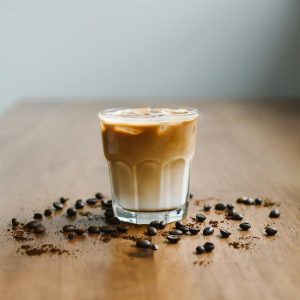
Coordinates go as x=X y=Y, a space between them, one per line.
x=108 y=115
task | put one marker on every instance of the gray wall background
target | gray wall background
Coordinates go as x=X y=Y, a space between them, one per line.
x=133 y=48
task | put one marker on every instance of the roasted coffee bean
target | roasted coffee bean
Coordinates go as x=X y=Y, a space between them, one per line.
x=249 y=201
x=109 y=213
x=200 y=218
x=71 y=235
x=114 y=221
x=155 y=246
x=175 y=232
x=32 y=224
x=237 y=216
x=184 y=229
x=230 y=212
x=229 y=206
x=39 y=229
x=99 y=196
x=208 y=230
x=220 y=206
x=162 y=225
x=79 y=231
x=71 y=212
x=48 y=212
x=225 y=233
x=200 y=249
x=108 y=204
x=274 y=213
x=178 y=224
x=208 y=246
x=151 y=231
x=38 y=216
x=68 y=228
x=141 y=243
x=79 y=204
x=63 y=200
x=271 y=230
x=245 y=226
x=241 y=200
x=91 y=201
x=15 y=222
x=206 y=207
x=123 y=228
x=108 y=229
x=191 y=195
x=154 y=223
x=257 y=201
x=194 y=230
x=173 y=238
x=58 y=205
x=93 y=229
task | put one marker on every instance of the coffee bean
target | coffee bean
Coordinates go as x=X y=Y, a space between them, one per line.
x=58 y=205
x=151 y=231
x=38 y=216
x=109 y=213
x=237 y=216
x=194 y=230
x=155 y=246
x=32 y=224
x=178 y=224
x=39 y=229
x=271 y=230
x=15 y=222
x=93 y=229
x=208 y=246
x=231 y=212
x=173 y=238
x=162 y=225
x=114 y=221
x=71 y=235
x=48 y=212
x=91 y=201
x=249 y=201
x=175 y=232
x=107 y=204
x=123 y=228
x=79 y=231
x=63 y=200
x=257 y=201
x=141 y=243
x=245 y=226
x=274 y=213
x=220 y=206
x=108 y=229
x=200 y=249
x=184 y=229
x=191 y=195
x=225 y=233
x=200 y=218
x=241 y=200
x=99 y=196
x=229 y=206
x=68 y=228
x=71 y=212
x=154 y=223
x=208 y=230
x=79 y=204
x=206 y=207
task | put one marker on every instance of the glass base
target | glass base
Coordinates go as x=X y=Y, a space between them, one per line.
x=137 y=217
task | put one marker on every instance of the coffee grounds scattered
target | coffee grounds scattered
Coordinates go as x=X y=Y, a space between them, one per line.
x=268 y=203
x=31 y=250
x=20 y=234
x=213 y=223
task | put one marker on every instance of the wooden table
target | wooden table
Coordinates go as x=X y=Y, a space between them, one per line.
x=50 y=150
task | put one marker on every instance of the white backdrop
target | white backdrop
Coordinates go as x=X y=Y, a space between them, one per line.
x=196 y=48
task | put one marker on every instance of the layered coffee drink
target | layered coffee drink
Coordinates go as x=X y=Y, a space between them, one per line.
x=149 y=153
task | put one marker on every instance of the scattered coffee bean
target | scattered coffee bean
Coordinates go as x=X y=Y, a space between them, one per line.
x=271 y=230
x=114 y=221
x=225 y=233
x=109 y=213
x=245 y=226
x=229 y=206
x=79 y=204
x=107 y=204
x=200 y=249
x=237 y=216
x=32 y=224
x=241 y=200
x=68 y=228
x=257 y=201
x=208 y=246
x=79 y=231
x=71 y=212
x=178 y=224
x=93 y=229
x=208 y=230
x=39 y=229
x=48 y=212
x=58 y=205
x=63 y=200
x=200 y=218
x=108 y=229
x=151 y=231
x=15 y=222
x=184 y=229
x=173 y=238
x=274 y=213
x=141 y=243
x=194 y=230
x=220 y=206
x=123 y=228
x=175 y=232
x=155 y=246
x=38 y=216
x=206 y=207
x=71 y=235
x=231 y=212
x=191 y=195
x=154 y=223
x=91 y=201
x=249 y=201
x=99 y=196
x=162 y=225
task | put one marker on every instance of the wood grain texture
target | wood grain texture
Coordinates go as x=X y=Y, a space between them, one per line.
x=252 y=149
